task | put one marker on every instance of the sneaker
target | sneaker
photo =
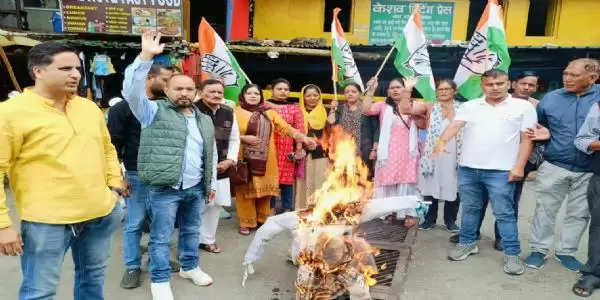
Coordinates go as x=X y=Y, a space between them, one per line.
x=426 y=226
x=462 y=251
x=197 y=276
x=535 y=260
x=131 y=279
x=161 y=291
x=454 y=239
x=569 y=262
x=513 y=265
x=224 y=214
x=452 y=228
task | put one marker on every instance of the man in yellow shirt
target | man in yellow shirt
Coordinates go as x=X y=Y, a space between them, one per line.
x=64 y=172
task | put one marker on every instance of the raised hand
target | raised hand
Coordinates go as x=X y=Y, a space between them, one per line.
x=372 y=85
x=410 y=82
x=151 y=45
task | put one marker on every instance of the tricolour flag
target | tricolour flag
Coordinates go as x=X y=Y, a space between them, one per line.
x=218 y=61
x=412 y=59
x=487 y=50
x=342 y=61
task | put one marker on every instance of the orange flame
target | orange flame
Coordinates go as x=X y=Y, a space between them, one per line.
x=347 y=188
x=328 y=251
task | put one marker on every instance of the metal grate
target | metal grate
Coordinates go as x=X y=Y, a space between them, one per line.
x=386 y=265
x=377 y=230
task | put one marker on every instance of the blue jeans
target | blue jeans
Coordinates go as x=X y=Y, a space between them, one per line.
x=473 y=187
x=166 y=205
x=286 y=197
x=44 y=248
x=137 y=211
x=518 y=191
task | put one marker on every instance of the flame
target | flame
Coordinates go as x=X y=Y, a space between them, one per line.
x=346 y=189
x=331 y=257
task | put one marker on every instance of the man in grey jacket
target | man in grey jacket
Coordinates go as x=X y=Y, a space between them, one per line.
x=566 y=172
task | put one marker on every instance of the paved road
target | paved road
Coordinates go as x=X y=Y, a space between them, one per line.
x=430 y=275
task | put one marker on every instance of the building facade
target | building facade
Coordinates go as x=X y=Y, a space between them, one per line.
x=564 y=23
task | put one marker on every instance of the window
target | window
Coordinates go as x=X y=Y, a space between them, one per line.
x=344 y=15
x=541 y=18
x=51 y=4
x=476 y=9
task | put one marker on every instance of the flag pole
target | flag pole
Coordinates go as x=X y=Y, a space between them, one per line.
x=384 y=61
x=380 y=67
x=335 y=95
x=11 y=73
x=246 y=76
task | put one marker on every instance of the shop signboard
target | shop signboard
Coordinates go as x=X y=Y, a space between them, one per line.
x=123 y=16
x=388 y=18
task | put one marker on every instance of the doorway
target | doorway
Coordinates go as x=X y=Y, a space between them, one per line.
x=214 y=11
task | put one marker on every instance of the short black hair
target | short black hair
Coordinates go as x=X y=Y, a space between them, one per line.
x=278 y=81
x=527 y=74
x=206 y=82
x=43 y=54
x=494 y=73
x=155 y=69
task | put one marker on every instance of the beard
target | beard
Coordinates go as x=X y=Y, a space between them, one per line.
x=183 y=102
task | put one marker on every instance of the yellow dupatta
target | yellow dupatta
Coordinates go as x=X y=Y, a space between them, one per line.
x=316 y=118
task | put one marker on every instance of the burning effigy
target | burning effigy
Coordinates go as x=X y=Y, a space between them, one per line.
x=332 y=259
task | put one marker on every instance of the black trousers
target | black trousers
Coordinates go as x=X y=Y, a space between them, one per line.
x=450 y=210
x=592 y=267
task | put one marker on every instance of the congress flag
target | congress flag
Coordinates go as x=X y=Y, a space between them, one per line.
x=342 y=62
x=412 y=58
x=218 y=61
x=487 y=50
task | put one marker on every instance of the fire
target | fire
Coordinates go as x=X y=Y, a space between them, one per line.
x=332 y=260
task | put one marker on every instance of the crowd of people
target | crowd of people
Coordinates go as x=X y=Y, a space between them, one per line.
x=187 y=153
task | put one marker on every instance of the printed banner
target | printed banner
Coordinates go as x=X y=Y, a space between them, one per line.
x=388 y=18
x=122 y=16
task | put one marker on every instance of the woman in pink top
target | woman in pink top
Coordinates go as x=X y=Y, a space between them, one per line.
x=398 y=151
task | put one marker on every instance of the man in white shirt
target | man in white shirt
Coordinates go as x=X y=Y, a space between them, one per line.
x=495 y=151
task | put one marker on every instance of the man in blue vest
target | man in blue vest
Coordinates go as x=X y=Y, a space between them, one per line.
x=177 y=160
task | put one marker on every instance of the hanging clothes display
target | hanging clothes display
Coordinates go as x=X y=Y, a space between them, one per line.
x=192 y=66
x=101 y=67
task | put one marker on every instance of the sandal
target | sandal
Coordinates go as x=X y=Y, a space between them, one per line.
x=244 y=231
x=212 y=248
x=409 y=222
x=586 y=285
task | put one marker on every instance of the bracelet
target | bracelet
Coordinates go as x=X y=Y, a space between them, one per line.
x=441 y=143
